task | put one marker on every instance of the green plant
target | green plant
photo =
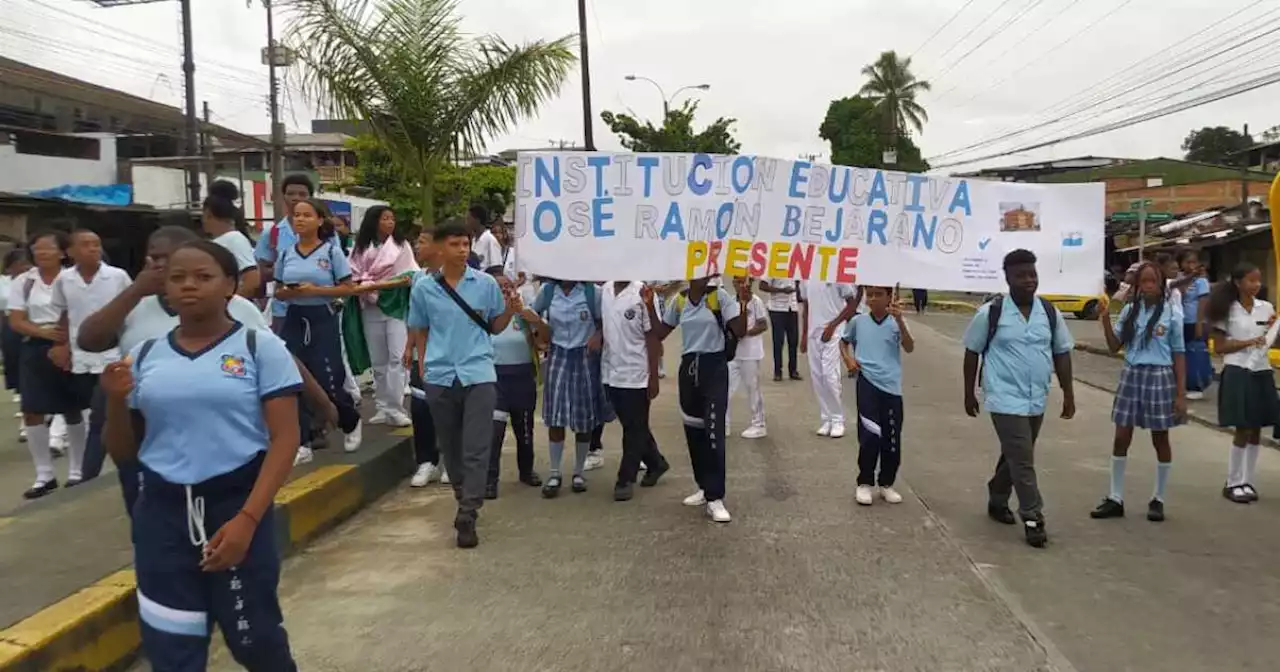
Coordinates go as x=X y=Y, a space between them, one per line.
x=676 y=133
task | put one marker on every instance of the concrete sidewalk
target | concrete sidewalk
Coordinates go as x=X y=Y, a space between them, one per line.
x=803 y=579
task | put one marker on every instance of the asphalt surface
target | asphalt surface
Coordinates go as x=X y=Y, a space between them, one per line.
x=803 y=578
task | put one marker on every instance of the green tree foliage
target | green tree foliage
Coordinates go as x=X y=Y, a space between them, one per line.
x=852 y=129
x=423 y=85
x=1214 y=144
x=676 y=133
x=893 y=89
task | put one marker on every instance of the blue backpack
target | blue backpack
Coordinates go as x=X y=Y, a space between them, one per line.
x=547 y=293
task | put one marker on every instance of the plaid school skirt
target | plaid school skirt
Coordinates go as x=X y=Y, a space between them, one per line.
x=572 y=394
x=1145 y=397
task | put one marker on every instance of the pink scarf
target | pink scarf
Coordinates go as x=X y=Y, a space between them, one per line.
x=377 y=264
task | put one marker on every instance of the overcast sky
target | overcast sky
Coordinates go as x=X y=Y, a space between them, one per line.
x=772 y=64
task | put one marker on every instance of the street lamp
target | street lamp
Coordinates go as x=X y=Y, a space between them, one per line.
x=666 y=102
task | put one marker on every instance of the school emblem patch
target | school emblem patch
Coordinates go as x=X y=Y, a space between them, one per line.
x=323 y=264
x=584 y=315
x=1160 y=330
x=233 y=365
x=630 y=314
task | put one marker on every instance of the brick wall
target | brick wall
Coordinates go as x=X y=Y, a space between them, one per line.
x=1184 y=199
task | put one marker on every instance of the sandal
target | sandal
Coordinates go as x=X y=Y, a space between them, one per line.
x=551 y=488
x=579 y=484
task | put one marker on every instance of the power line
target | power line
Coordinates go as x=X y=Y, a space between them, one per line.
x=974 y=28
x=999 y=30
x=1220 y=94
x=941 y=28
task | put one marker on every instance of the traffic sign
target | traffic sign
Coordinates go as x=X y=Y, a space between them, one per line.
x=1131 y=216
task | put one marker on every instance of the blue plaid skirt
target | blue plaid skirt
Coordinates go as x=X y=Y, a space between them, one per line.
x=1145 y=397
x=573 y=396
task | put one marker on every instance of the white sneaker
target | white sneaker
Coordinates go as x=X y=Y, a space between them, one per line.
x=17 y=399
x=594 y=461
x=716 y=510
x=837 y=430
x=444 y=477
x=304 y=456
x=398 y=419
x=1194 y=395
x=696 y=499
x=423 y=476
x=379 y=418
x=754 y=432
x=22 y=435
x=825 y=429
x=351 y=442
x=888 y=494
x=864 y=495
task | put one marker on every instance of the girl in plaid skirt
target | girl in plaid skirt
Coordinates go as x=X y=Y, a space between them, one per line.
x=1151 y=391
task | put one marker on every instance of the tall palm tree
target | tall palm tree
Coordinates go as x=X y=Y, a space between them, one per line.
x=893 y=88
x=405 y=67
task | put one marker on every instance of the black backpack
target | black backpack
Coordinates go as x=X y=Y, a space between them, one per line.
x=996 y=308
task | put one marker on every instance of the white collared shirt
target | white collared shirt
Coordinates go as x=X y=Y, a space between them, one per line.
x=751 y=348
x=80 y=299
x=488 y=249
x=29 y=293
x=1243 y=325
x=625 y=362
x=783 y=303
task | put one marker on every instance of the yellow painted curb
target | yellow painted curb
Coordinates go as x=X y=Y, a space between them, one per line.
x=402 y=431
x=93 y=629
x=319 y=498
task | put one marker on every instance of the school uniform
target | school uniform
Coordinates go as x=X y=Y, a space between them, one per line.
x=704 y=383
x=461 y=382
x=312 y=327
x=1199 y=365
x=199 y=459
x=744 y=370
x=517 y=388
x=825 y=302
x=877 y=347
x=1145 y=395
x=154 y=318
x=1248 y=395
x=239 y=246
x=784 y=322
x=268 y=250
x=625 y=374
x=572 y=394
x=10 y=340
x=1017 y=366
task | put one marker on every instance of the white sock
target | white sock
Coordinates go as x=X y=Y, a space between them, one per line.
x=1235 y=466
x=1251 y=463
x=38 y=444
x=77 y=435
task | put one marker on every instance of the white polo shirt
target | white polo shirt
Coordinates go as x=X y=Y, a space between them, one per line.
x=1243 y=325
x=782 y=303
x=29 y=293
x=625 y=361
x=79 y=299
x=751 y=348
x=825 y=301
x=488 y=249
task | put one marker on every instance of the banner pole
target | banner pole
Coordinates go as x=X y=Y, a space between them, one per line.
x=1273 y=201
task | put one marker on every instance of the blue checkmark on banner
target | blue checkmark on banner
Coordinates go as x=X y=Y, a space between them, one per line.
x=982 y=244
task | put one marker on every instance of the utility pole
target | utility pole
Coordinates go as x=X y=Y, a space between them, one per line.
x=1244 y=178
x=589 y=143
x=1142 y=228
x=272 y=58
x=206 y=146
x=189 y=83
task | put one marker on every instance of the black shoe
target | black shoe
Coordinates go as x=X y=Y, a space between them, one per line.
x=1037 y=535
x=42 y=489
x=1001 y=514
x=579 y=484
x=466 y=527
x=1109 y=508
x=1250 y=492
x=795 y=376
x=491 y=491
x=622 y=492
x=653 y=474
x=777 y=377
x=1155 y=511
x=551 y=489
x=531 y=479
x=1236 y=493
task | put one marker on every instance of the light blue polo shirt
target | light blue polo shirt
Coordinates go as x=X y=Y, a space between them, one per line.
x=1191 y=300
x=569 y=315
x=511 y=346
x=1018 y=365
x=699 y=330
x=1166 y=340
x=457 y=348
x=203 y=410
x=878 y=348
x=325 y=266
x=263 y=252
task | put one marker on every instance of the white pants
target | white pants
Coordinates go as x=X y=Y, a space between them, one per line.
x=746 y=373
x=386 y=338
x=824 y=373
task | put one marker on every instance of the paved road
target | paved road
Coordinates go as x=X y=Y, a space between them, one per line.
x=803 y=579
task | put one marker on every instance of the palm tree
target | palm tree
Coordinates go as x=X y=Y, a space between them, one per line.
x=893 y=89
x=405 y=67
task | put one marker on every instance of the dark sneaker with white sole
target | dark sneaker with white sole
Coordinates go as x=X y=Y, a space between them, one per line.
x=1037 y=535
x=1109 y=508
x=1155 y=511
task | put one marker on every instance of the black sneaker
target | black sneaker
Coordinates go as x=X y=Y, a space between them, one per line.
x=654 y=473
x=491 y=491
x=1155 y=511
x=795 y=376
x=622 y=492
x=1109 y=508
x=1037 y=535
x=531 y=479
x=41 y=489
x=466 y=527
x=1001 y=514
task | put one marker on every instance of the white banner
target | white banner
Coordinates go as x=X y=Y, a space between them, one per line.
x=602 y=216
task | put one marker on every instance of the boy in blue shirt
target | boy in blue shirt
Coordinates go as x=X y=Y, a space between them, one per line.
x=1021 y=340
x=877 y=339
x=295 y=189
x=452 y=317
